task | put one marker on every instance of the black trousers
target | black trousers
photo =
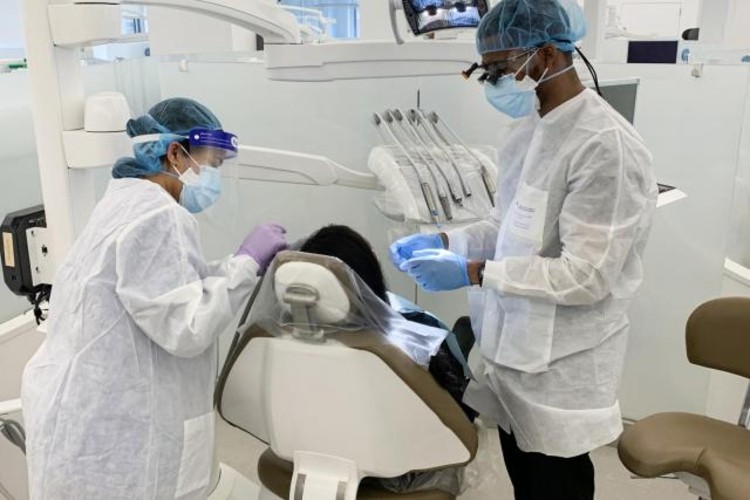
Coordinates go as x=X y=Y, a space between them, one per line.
x=536 y=476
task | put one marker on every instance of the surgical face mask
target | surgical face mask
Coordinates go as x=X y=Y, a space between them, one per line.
x=199 y=191
x=511 y=97
x=514 y=98
x=198 y=197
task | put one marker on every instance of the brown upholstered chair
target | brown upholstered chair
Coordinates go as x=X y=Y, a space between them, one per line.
x=718 y=336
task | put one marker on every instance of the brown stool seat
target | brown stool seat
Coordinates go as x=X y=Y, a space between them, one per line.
x=276 y=475
x=728 y=478
x=681 y=442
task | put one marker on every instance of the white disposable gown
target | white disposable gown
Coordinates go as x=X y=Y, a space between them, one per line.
x=118 y=399
x=564 y=249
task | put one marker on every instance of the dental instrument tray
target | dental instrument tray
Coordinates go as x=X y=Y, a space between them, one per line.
x=431 y=176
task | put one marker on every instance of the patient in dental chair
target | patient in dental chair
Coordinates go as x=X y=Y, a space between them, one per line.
x=447 y=366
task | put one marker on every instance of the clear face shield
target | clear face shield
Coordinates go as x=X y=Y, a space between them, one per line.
x=214 y=161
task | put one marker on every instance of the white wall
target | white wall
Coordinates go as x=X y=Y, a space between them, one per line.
x=663 y=17
x=739 y=34
x=739 y=243
x=11 y=28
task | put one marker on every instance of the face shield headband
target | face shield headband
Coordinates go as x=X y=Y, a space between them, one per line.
x=217 y=139
x=198 y=138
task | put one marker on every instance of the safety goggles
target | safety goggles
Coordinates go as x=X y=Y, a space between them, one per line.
x=495 y=70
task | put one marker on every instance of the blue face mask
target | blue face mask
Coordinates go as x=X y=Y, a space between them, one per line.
x=200 y=191
x=511 y=97
x=517 y=98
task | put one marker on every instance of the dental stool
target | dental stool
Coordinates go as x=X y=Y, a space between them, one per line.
x=340 y=407
x=718 y=336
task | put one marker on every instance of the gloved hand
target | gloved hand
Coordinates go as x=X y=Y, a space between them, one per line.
x=438 y=270
x=263 y=243
x=402 y=250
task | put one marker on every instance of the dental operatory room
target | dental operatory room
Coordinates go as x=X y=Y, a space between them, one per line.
x=375 y=249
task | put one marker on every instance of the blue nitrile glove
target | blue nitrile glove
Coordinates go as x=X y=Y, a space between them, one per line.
x=438 y=270
x=402 y=250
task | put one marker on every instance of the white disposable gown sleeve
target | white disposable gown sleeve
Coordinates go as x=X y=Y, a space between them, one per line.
x=167 y=288
x=602 y=215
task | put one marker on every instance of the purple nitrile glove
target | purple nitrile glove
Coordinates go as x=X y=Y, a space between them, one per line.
x=263 y=243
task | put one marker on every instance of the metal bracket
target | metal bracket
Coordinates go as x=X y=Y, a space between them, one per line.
x=393 y=7
x=303 y=299
x=323 y=477
x=42 y=271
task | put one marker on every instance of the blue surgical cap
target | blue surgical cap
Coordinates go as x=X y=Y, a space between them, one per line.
x=172 y=119
x=524 y=24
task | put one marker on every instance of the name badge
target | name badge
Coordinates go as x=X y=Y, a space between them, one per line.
x=528 y=213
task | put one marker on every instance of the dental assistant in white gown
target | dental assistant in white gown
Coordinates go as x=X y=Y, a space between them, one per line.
x=118 y=400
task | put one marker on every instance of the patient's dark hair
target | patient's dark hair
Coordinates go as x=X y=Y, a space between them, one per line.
x=354 y=250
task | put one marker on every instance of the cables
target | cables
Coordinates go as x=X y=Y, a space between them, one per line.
x=5 y=493
x=591 y=70
x=39 y=298
x=13 y=432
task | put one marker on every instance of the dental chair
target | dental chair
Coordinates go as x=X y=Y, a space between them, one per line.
x=694 y=446
x=336 y=404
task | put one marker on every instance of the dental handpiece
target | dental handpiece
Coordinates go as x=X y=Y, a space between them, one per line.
x=442 y=196
x=401 y=117
x=489 y=186
x=391 y=117
x=419 y=117
x=429 y=198
x=389 y=120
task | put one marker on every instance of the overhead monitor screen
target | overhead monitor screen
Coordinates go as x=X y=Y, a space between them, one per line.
x=426 y=16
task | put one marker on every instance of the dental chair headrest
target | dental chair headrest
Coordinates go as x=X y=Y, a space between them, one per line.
x=321 y=278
